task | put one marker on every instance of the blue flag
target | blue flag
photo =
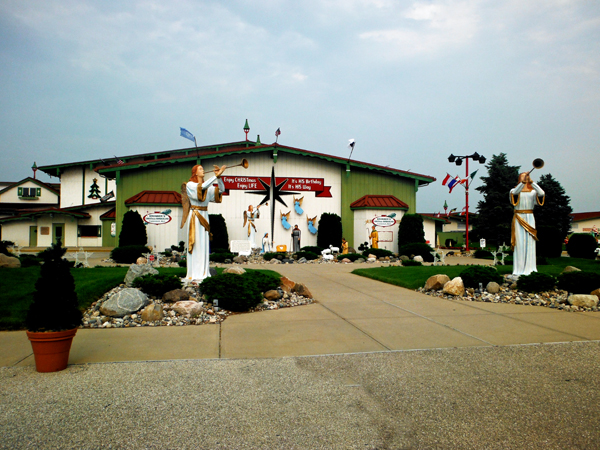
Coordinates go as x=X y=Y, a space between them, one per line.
x=186 y=134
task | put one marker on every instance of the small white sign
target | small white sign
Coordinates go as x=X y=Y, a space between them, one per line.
x=157 y=218
x=384 y=221
x=242 y=247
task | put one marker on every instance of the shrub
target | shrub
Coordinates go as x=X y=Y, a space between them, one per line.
x=182 y=262
x=483 y=254
x=550 y=242
x=423 y=250
x=55 y=304
x=180 y=248
x=308 y=255
x=579 y=282
x=133 y=230
x=536 y=282
x=411 y=262
x=582 y=245
x=351 y=256
x=218 y=229
x=4 y=247
x=378 y=252
x=157 y=285
x=29 y=260
x=313 y=249
x=411 y=230
x=234 y=292
x=128 y=254
x=541 y=261
x=221 y=257
x=330 y=231
x=264 y=281
x=474 y=275
x=268 y=256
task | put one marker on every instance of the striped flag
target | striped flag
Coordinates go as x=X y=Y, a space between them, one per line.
x=119 y=161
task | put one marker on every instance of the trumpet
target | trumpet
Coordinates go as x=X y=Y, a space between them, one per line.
x=244 y=164
x=538 y=163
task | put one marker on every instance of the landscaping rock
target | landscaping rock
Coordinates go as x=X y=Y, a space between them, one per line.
x=275 y=261
x=287 y=283
x=9 y=261
x=124 y=302
x=235 y=270
x=152 y=312
x=492 y=287
x=272 y=295
x=418 y=258
x=359 y=261
x=596 y=293
x=581 y=300
x=345 y=260
x=136 y=271
x=141 y=261
x=302 y=290
x=436 y=282
x=240 y=259
x=403 y=258
x=188 y=308
x=569 y=269
x=454 y=287
x=175 y=295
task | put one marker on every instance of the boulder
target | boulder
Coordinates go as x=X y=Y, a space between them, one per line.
x=188 y=308
x=492 y=287
x=418 y=258
x=403 y=258
x=581 y=300
x=371 y=256
x=455 y=287
x=359 y=261
x=9 y=261
x=272 y=295
x=136 y=271
x=287 y=283
x=345 y=260
x=141 y=261
x=275 y=261
x=596 y=293
x=351 y=250
x=436 y=282
x=152 y=312
x=571 y=269
x=236 y=270
x=240 y=259
x=302 y=260
x=175 y=295
x=301 y=289
x=127 y=301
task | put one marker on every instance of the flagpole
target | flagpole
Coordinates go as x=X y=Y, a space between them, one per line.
x=467 y=200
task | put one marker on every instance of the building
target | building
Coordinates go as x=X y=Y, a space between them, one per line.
x=585 y=222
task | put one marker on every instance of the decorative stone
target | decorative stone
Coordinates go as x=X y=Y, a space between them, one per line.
x=454 y=287
x=141 y=260
x=175 y=295
x=436 y=282
x=492 y=287
x=236 y=270
x=371 y=256
x=351 y=250
x=403 y=258
x=418 y=258
x=581 y=300
x=188 y=308
x=9 y=261
x=571 y=269
x=240 y=259
x=302 y=290
x=275 y=261
x=302 y=260
x=124 y=302
x=346 y=260
x=272 y=295
x=136 y=271
x=359 y=261
x=596 y=293
x=152 y=312
x=285 y=281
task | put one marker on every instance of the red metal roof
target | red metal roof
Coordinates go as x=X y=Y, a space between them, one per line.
x=110 y=214
x=155 y=198
x=379 y=201
x=577 y=217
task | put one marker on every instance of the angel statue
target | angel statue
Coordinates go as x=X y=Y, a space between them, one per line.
x=298 y=204
x=195 y=196
x=311 y=224
x=285 y=220
x=249 y=217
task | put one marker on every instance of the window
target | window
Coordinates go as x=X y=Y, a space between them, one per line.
x=88 y=231
x=24 y=192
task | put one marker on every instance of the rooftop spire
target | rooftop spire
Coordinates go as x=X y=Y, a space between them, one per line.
x=246 y=129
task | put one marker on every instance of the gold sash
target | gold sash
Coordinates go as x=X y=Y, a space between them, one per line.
x=517 y=218
x=196 y=215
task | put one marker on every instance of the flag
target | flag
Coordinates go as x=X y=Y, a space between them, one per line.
x=119 y=161
x=351 y=143
x=446 y=179
x=451 y=211
x=464 y=211
x=453 y=182
x=473 y=174
x=186 y=134
x=463 y=181
x=278 y=132
x=438 y=214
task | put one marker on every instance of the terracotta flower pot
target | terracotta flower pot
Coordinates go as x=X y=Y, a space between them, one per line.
x=51 y=349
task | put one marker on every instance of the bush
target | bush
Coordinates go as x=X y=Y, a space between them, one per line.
x=411 y=262
x=550 y=242
x=180 y=248
x=55 y=306
x=541 y=261
x=483 y=254
x=423 y=250
x=128 y=254
x=182 y=262
x=536 y=282
x=157 y=285
x=308 y=255
x=313 y=249
x=378 y=252
x=330 y=231
x=4 y=247
x=411 y=230
x=582 y=245
x=234 y=292
x=221 y=257
x=264 y=281
x=351 y=256
x=29 y=260
x=579 y=282
x=218 y=229
x=268 y=256
x=474 y=275
x=133 y=230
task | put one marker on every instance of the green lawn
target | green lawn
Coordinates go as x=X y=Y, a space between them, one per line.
x=415 y=277
x=18 y=285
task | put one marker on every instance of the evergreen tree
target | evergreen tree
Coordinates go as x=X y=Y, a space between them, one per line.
x=330 y=231
x=133 y=230
x=218 y=228
x=411 y=230
x=553 y=219
x=495 y=212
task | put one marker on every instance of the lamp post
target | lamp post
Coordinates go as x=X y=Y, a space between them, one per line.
x=458 y=161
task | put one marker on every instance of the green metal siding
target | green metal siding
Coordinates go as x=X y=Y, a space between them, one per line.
x=360 y=182
x=107 y=239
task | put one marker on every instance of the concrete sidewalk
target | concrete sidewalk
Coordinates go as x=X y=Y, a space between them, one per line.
x=353 y=315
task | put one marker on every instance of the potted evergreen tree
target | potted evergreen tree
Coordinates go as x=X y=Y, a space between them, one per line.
x=54 y=315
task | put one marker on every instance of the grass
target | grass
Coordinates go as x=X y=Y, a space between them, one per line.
x=415 y=277
x=18 y=285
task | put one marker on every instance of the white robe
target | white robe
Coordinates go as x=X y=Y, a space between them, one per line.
x=251 y=217
x=524 y=258
x=198 y=260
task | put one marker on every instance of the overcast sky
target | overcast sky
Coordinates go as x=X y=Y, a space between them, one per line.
x=411 y=81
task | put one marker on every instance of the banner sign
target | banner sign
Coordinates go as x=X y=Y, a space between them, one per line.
x=384 y=221
x=157 y=218
x=297 y=184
